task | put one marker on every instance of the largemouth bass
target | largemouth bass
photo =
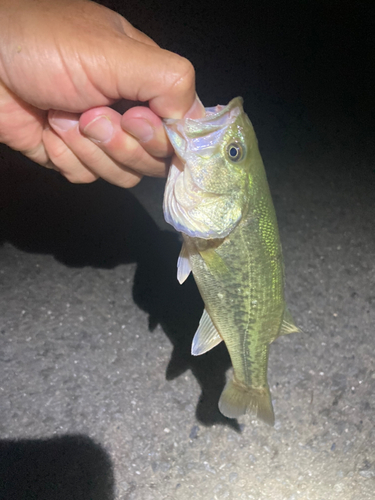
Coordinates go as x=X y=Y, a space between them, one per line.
x=217 y=196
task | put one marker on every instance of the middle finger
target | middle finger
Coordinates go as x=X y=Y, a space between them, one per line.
x=112 y=154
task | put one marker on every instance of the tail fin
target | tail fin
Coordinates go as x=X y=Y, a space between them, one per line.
x=236 y=400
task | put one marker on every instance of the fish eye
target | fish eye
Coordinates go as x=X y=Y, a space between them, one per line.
x=235 y=151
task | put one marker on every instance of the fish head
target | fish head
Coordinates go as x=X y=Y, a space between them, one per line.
x=208 y=187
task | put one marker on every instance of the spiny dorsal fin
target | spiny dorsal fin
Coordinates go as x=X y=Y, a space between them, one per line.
x=183 y=265
x=206 y=337
x=288 y=326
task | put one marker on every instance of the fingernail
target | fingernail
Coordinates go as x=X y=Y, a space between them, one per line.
x=197 y=110
x=140 y=129
x=100 y=129
x=63 y=121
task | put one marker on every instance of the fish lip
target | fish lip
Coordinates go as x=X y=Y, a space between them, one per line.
x=212 y=113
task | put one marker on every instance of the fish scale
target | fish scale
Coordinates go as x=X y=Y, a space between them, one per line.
x=232 y=246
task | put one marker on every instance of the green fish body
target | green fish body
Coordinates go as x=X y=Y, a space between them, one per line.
x=217 y=195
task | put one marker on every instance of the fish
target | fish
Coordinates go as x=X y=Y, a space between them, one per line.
x=217 y=196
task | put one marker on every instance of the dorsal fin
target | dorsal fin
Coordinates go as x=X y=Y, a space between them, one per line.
x=206 y=337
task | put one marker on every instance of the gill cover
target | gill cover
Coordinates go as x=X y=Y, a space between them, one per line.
x=207 y=187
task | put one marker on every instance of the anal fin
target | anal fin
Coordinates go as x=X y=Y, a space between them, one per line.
x=206 y=337
x=287 y=325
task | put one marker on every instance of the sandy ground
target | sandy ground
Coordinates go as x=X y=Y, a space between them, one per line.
x=99 y=396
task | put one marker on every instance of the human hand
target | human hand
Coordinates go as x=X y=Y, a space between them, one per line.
x=62 y=64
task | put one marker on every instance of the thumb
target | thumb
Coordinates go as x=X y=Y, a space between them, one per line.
x=164 y=79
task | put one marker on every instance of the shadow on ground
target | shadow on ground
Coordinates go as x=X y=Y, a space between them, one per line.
x=73 y=467
x=101 y=225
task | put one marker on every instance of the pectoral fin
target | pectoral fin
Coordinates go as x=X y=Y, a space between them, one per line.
x=288 y=326
x=183 y=265
x=214 y=262
x=206 y=337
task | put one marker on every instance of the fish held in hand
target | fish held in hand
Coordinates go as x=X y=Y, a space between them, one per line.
x=217 y=196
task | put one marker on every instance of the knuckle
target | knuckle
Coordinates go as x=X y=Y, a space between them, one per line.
x=81 y=176
x=132 y=152
x=66 y=161
x=183 y=75
x=129 y=181
x=58 y=152
x=38 y=154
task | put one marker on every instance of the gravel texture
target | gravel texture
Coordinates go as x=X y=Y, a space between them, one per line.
x=99 y=396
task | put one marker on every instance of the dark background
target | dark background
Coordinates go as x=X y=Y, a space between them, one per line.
x=309 y=60
x=306 y=72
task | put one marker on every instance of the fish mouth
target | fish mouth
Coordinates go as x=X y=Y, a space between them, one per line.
x=202 y=136
x=193 y=203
